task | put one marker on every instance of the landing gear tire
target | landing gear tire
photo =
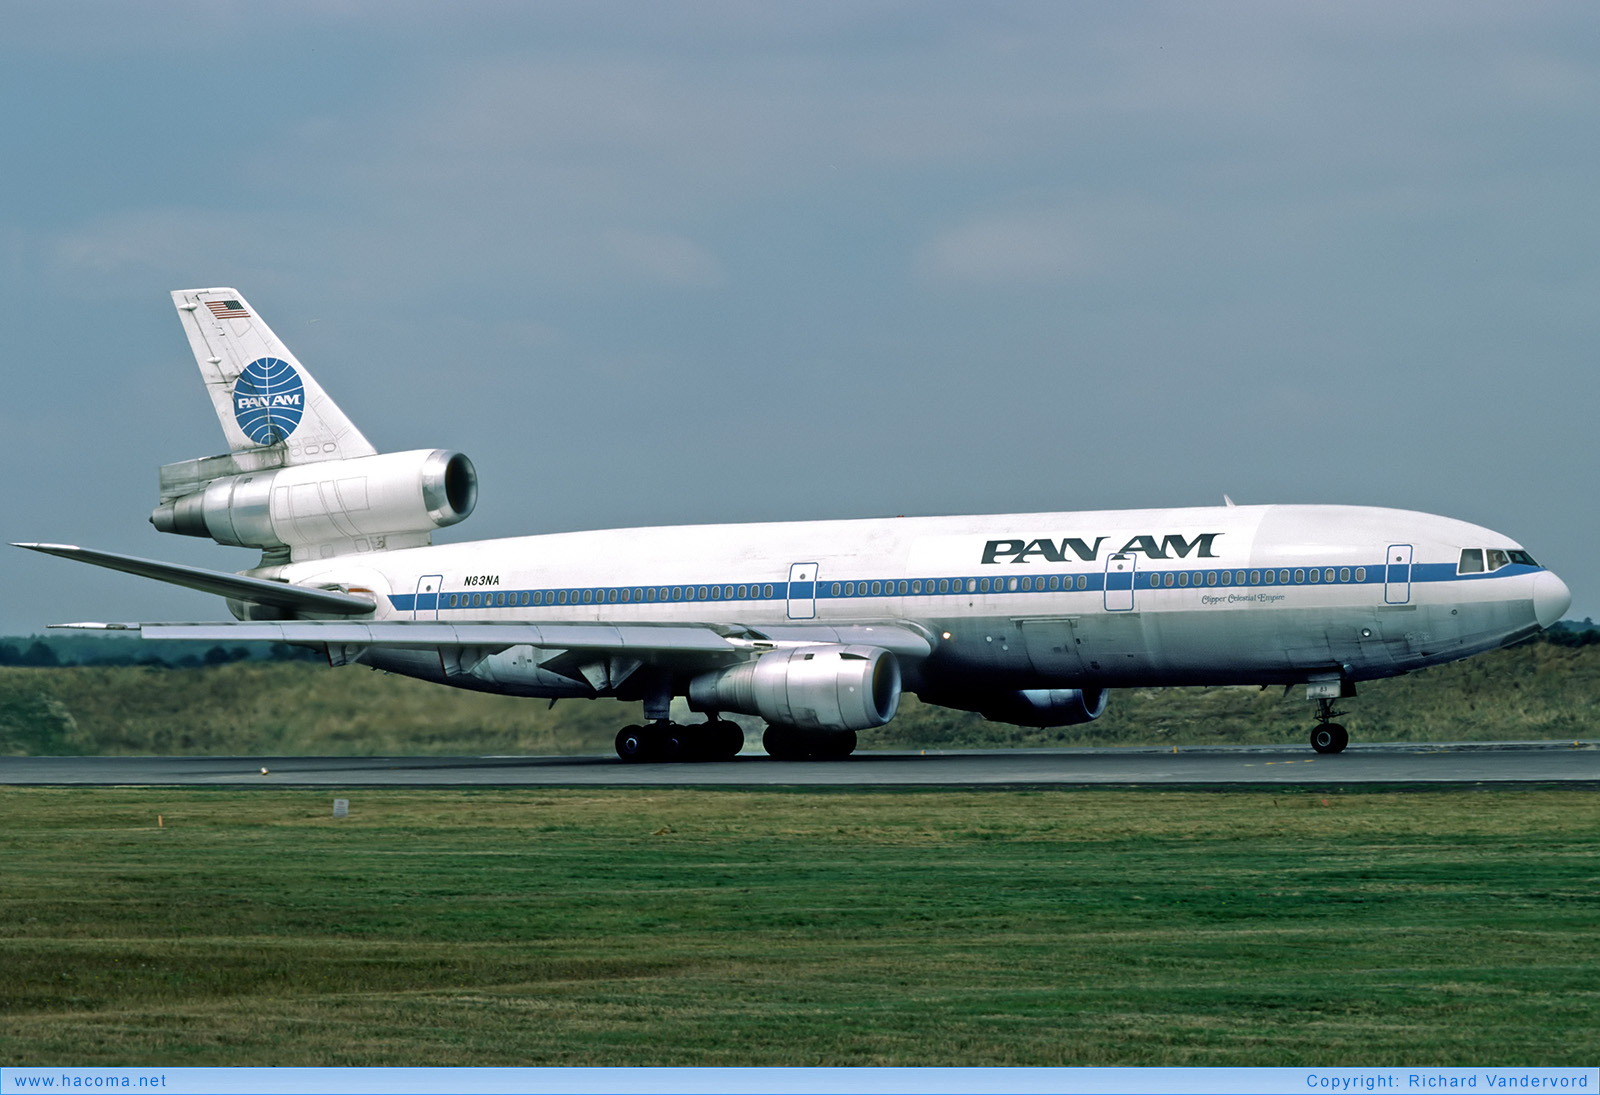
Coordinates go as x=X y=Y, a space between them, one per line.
x=1330 y=737
x=792 y=743
x=668 y=741
x=721 y=739
x=633 y=744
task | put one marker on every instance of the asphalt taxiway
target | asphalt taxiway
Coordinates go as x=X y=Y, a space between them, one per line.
x=1575 y=764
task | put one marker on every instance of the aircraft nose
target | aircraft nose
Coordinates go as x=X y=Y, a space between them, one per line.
x=1551 y=598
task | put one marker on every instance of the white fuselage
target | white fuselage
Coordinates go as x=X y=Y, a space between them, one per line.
x=1246 y=594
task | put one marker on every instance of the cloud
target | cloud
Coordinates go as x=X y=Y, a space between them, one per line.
x=664 y=258
x=1007 y=247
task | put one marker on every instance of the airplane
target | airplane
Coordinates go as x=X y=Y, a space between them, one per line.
x=817 y=627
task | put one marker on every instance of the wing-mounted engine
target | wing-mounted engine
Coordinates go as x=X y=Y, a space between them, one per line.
x=318 y=510
x=821 y=687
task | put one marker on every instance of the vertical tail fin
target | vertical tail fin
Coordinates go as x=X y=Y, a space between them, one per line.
x=266 y=400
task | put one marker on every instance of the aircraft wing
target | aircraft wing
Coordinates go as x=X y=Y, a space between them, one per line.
x=261 y=591
x=636 y=639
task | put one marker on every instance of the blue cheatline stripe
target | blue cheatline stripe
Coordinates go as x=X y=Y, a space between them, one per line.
x=855 y=589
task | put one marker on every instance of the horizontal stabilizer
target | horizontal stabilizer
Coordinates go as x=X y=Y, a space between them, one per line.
x=259 y=591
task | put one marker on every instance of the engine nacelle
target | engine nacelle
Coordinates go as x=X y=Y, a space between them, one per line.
x=813 y=687
x=337 y=506
x=1044 y=707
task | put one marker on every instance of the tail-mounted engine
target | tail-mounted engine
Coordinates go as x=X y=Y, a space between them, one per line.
x=332 y=507
x=823 y=687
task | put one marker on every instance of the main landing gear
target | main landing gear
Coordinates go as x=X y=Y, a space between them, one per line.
x=793 y=743
x=714 y=739
x=1328 y=736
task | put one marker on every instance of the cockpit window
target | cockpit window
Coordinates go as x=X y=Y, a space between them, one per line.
x=1471 y=561
x=1522 y=557
x=1498 y=559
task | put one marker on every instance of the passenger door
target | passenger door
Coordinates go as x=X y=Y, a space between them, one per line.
x=803 y=591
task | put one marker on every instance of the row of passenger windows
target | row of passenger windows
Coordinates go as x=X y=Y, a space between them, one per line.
x=1261 y=577
x=610 y=596
x=1473 y=560
x=912 y=587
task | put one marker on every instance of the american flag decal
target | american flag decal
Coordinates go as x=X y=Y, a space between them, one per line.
x=227 y=309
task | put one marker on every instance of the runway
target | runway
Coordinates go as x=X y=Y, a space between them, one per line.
x=1568 y=764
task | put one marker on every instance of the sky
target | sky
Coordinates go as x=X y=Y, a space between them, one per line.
x=719 y=262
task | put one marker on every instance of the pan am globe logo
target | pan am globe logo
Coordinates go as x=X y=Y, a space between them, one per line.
x=268 y=400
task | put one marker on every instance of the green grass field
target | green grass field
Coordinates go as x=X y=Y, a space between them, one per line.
x=697 y=927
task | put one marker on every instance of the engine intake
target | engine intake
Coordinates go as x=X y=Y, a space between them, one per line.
x=369 y=503
x=825 y=687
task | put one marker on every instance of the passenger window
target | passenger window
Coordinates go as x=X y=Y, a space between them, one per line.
x=849 y=589
x=972 y=584
x=1283 y=576
x=625 y=595
x=983 y=585
x=1012 y=585
x=1497 y=559
x=1083 y=581
x=904 y=586
x=1169 y=580
x=1055 y=582
x=1299 y=576
x=716 y=593
x=1255 y=577
x=837 y=589
x=611 y=597
x=702 y=593
x=766 y=590
x=743 y=592
x=500 y=600
x=916 y=586
x=1270 y=576
x=1183 y=578
x=1227 y=577
x=1361 y=574
x=1314 y=575
x=1238 y=577
x=1344 y=574
x=1211 y=577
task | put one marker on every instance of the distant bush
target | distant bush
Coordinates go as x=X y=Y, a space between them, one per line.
x=46 y=651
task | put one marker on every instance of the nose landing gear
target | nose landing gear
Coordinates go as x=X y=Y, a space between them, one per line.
x=1328 y=736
